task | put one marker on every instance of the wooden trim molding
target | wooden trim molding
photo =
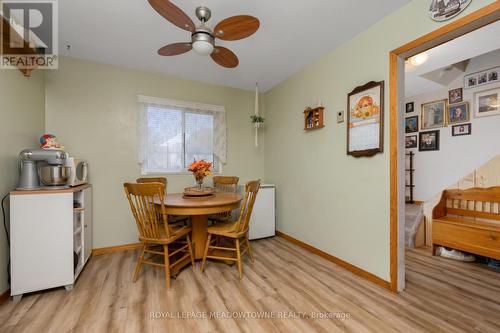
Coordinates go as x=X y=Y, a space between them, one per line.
x=356 y=270
x=111 y=249
x=393 y=169
x=481 y=17
x=5 y=296
x=471 y=22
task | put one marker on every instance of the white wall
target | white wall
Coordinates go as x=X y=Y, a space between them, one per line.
x=459 y=155
x=21 y=125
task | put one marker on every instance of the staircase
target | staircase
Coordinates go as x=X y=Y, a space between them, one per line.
x=414 y=218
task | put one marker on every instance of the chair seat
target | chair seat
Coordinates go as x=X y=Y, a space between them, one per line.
x=173 y=219
x=176 y=233
x=226 y=230
x=220 y=218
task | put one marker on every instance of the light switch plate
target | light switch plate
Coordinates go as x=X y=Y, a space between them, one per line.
x=340 y=117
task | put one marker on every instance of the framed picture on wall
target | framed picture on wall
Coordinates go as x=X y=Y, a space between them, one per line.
x=493 y=75
x=486 y=103
x=410 y=107
x=482 y=78
x=434 y=114
x=463 y=129
x=411 y=124
x=428 y=141
x=411 y=141
x=455 y=95
x=365 y=120
x=458 y=113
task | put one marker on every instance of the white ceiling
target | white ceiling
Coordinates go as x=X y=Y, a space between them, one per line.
x=469 y=46
x=292 y=34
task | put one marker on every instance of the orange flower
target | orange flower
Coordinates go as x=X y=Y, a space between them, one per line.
x=201 y=167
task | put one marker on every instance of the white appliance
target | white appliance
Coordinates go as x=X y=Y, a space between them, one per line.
x=79 y=171
x=263 y=219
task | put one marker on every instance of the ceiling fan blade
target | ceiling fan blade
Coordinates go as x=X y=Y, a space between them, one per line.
x=175 y=49
x=236 y=27
x=173 y=14
x=225 y=57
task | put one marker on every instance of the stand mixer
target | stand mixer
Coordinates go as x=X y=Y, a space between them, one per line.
x=43 y=169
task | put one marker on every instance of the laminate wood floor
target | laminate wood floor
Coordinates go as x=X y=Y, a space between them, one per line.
x=291 y=284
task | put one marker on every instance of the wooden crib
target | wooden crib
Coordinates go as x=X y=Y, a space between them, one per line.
x=468 y=220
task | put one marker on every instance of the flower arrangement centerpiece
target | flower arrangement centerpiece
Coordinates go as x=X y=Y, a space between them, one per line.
x=200 y=170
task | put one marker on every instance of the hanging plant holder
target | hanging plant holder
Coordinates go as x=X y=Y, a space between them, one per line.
x=258 y=124
x=257 y=120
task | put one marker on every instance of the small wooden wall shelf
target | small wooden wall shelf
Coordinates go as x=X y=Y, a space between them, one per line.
x=313 y=118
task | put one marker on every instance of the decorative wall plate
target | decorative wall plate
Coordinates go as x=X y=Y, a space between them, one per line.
x=443 y=10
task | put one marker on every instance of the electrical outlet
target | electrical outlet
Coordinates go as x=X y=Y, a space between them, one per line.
x=340 y=117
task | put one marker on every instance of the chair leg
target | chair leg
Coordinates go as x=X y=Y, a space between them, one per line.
x=190 y=249
x=206 y=253
x=238 y=256
x=167 y=265
x=250 y=251
x=139 y=263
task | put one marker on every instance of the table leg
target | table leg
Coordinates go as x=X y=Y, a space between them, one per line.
x=199 y=225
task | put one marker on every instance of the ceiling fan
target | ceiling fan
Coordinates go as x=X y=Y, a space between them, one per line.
x=202 y=37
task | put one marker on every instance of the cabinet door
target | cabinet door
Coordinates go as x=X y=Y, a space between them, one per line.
x=87 y=223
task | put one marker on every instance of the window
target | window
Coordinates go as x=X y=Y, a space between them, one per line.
x=176 y=133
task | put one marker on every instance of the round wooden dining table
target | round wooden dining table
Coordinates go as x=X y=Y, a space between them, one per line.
x=199 y=209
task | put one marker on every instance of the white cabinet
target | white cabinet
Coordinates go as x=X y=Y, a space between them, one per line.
x=51 y=238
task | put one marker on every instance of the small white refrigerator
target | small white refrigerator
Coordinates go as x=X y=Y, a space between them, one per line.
x=263 y=219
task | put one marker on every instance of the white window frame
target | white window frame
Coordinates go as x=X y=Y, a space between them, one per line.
x=184 y=107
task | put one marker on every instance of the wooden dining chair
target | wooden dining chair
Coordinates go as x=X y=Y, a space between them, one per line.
x=236 y=232
x=225 y=184
x=172 y=219
x=158 y=238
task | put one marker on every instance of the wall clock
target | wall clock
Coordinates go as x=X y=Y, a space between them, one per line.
x=442 y=10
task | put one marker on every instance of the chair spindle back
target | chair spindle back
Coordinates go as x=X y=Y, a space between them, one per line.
x=227 y=184
x=251 y=190
x=147 y=204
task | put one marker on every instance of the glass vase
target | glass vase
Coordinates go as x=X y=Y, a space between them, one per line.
x=199 y=181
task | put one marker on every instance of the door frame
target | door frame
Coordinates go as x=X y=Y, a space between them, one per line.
x=480 y=18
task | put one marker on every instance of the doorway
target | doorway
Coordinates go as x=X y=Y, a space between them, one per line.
x=463 y=26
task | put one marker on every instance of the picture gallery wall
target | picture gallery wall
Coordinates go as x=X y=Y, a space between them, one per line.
x=454 y=130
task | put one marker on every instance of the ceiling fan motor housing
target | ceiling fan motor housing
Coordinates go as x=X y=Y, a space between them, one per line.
x=203 y=14
x=202 y=34
x=203 y=41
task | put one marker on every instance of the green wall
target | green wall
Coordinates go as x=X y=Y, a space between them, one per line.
x=334 y=202
x=337 y=203
x=21 y=125
x=93 y=109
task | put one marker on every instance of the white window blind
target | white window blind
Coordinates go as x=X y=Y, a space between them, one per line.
x=174 y=133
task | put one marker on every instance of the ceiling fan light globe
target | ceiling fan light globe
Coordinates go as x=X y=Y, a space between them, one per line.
x=203 y=47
